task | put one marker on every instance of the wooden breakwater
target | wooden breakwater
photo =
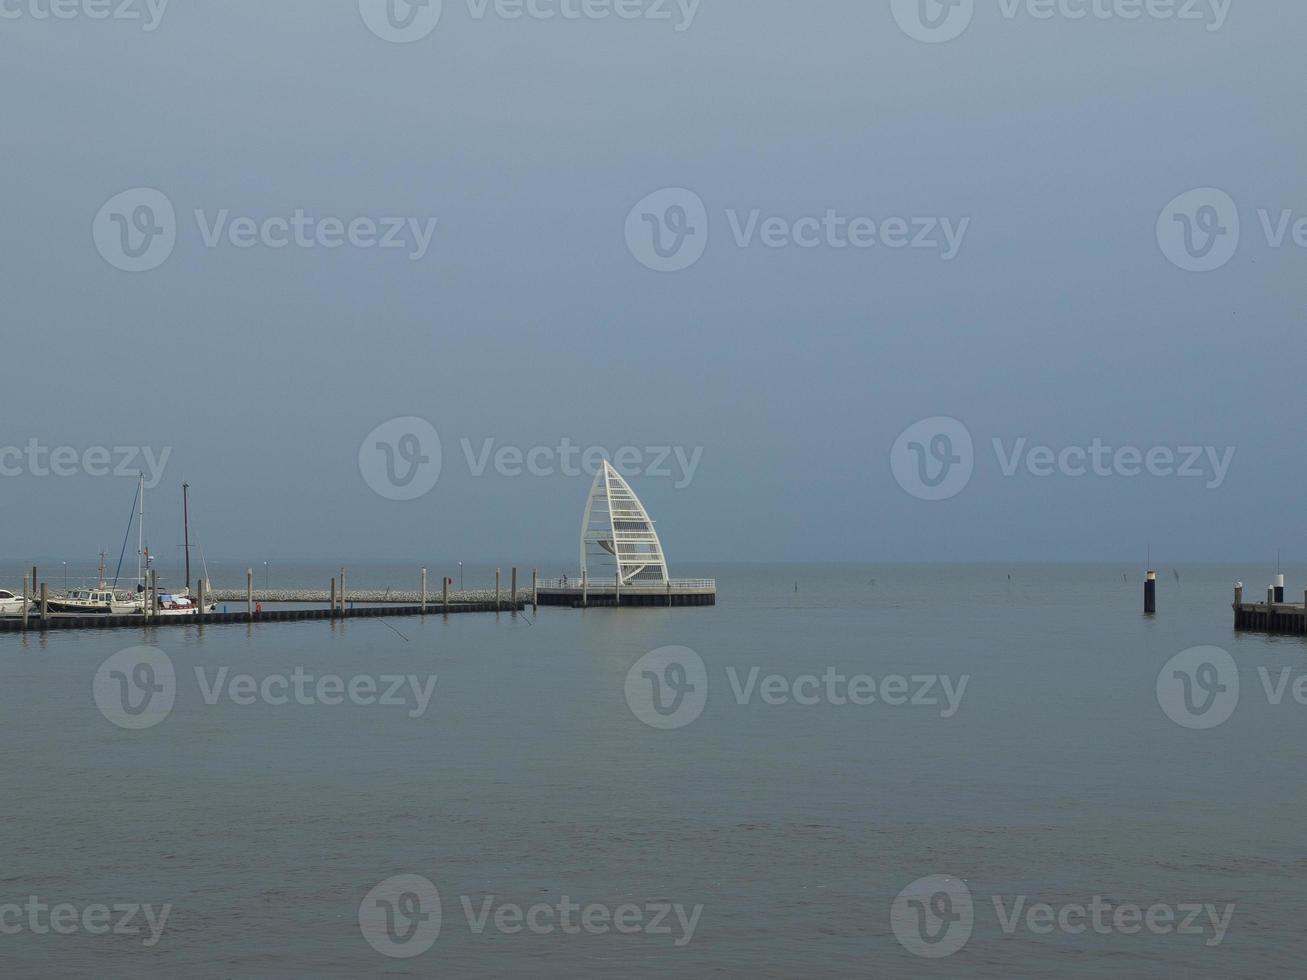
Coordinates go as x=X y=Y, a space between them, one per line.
x=63 y=621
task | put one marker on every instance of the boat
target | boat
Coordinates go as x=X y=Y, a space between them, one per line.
x=96 y=602
x=10 y=604
x=99 y=601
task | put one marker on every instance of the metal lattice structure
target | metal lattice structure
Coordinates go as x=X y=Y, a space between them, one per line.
x=618 y=536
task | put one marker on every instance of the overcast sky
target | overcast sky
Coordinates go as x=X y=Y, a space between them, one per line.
x=1054 y=294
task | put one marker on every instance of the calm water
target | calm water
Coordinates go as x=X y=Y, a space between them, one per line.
x=530 y=777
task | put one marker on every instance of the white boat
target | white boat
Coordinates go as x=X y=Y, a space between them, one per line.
x=96 y=602
x=181 y=604
x=10 y=604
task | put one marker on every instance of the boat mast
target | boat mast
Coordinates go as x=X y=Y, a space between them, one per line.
x=140 y=534
x=186 y=528
x=101 y=585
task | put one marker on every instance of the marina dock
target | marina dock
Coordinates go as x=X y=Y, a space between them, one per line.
x=61 y=621
x=1272 y=616
x=582 y=595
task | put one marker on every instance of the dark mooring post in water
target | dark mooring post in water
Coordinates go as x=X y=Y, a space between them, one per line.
x=1150 y=594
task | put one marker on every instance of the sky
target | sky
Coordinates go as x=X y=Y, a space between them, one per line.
x=840 y=281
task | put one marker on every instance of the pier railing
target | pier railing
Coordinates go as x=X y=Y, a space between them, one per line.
x=600 y=585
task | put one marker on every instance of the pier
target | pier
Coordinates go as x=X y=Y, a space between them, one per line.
x=1272 y=616
x=333 y=603
x=63 y=621
x=582 y=595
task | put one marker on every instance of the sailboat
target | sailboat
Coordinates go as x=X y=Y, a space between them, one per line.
x=101 y=600
x=105 y=599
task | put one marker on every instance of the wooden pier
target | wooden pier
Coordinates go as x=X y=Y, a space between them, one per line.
x=1271 y=616
x=59 y=621
x=584 y=594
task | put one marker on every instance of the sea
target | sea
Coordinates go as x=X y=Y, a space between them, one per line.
x=837 y=771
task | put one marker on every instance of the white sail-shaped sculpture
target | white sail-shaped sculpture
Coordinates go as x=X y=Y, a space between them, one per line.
x=617 y=535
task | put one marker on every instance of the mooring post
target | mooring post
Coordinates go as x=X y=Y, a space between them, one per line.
x=24 y=602
x=514 y=590
x=1150 y=593
x=34 y=581
x=617 y=587
x=498 y=575
x=424 y=592
x=535 y=590
x=1279 y=588
x=333 y=597
x=154 y=593
x=342 y=592
x=45 y=605
x=585 y=589
x=249 y=594
x=203 y=588
x=445 y=584
x=669 y=593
